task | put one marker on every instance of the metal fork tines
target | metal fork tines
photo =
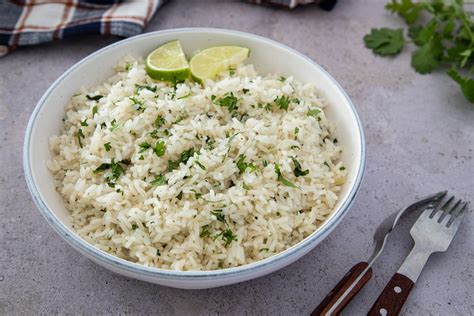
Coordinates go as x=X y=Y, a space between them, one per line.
x=433 y=232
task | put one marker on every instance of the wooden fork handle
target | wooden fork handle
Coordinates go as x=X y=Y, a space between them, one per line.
x=331 y=299
x=392 y=298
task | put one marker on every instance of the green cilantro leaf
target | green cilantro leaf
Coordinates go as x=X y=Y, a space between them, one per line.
x=406 y=9
x=428 y=57
x=385 y=41
x=466 y=84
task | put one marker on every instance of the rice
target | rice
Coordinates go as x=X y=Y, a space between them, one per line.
x=192 y=177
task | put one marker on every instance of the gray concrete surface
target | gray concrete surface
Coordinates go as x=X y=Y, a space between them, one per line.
x=420 y=134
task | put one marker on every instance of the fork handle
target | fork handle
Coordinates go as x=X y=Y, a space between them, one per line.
x=392 y=298
x=330 y=304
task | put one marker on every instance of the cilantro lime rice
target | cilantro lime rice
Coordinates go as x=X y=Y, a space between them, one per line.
x=191 y=177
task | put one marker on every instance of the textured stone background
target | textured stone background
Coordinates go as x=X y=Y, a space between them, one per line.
x=420 y=135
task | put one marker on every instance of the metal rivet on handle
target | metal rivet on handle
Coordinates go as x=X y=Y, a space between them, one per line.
x=397 y=289
x=383 y=312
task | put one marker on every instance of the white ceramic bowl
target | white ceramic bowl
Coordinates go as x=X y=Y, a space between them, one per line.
x=267 y=56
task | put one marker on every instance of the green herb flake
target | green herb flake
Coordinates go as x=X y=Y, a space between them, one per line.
x=183 y=158
x=80 y=135
x=147 y=87
x=185 y=96
x=95 y=97
x=242 y=165
x=138 y=103
x=94 y=110
x=281 y=79
x=197 y=194
x=228 y=236
x=160 y=148
x=204 y=232
x=246 y=186
x=281 y=178
x=229 y=101
x=114 y=125
x=244 y=91
x=134 y=226
x=158 y=253
x=219 y=215
x=160 y=180
x=200 y=165
x=159 y=121
x=107 y=146
x=342 y=168
x=141 y=157
x=84 y=123
x=143 y=147
x=313 y=112
x=297 y=171
x=180 y=195
x=283 y=102
x=265 y=163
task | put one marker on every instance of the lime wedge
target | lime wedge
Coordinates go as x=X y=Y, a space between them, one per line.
x=168 y=63
x=214 y=60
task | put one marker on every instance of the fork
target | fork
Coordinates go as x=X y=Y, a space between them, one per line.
x=432 y=232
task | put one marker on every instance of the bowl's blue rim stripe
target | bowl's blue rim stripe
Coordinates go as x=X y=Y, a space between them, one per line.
x=109 y=259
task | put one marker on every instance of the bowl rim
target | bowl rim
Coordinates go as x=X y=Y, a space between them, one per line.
x=131 y=267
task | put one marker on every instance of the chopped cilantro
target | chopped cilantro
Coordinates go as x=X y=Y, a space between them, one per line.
x=282 y=79
x=116 y=170
x=244 y=91
x=228 y=236
x=242 y=165
x=185 y=96
x=84 y=123
x=139 y=104
x=134 y=226
x=149 y=88
x=95 y=97
x=107 y=146
x=160 y=148
x=180 y=118
x=158 y=253
x=200 y=165
x=143 y=147
x=313 y=112
x=297 y=171
x=114 y=125
x=283 y=102
x=141 y=157
x=180 y=195
x=219 y=215
x=265 y=163
x=197 y=194
x=80 y=135
x=183 y=158
x=342 y=168
x=281 y=178
x=159 y=121
x=204 y=232
x=229 y=101
x=246 y=186
x=160 y=180
x=94 y=110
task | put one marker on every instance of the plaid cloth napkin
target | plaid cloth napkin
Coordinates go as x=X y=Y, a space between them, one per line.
x=31 y=22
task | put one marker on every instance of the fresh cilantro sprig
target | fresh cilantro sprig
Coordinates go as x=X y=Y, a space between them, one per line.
x=443 y=32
